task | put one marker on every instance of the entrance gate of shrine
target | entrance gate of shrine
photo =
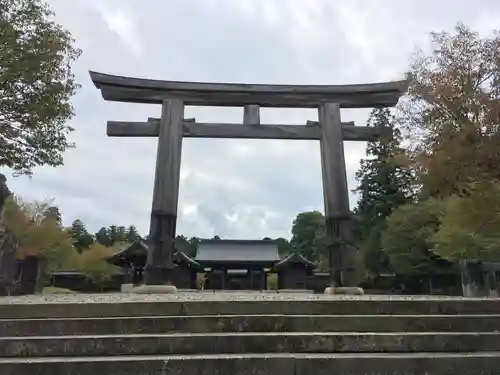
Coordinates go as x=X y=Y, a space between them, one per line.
x=172 y=127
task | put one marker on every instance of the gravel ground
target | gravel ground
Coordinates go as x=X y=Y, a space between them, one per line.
x=202 y=296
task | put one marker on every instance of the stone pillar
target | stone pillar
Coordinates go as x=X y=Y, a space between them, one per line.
x=492 y=283
x=336 y=194
x=471 y=275
x=160 y=263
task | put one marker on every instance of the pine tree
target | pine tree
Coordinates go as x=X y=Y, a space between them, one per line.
x=384 y=183
x=113 y=234
x=82 y=239
x=132 y=234
x=121 y=234
x=102 y=236
x=53 y=212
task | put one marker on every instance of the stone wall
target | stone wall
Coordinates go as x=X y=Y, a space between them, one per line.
x=8 y=264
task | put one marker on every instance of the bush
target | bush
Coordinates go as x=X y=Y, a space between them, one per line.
x=272 y=281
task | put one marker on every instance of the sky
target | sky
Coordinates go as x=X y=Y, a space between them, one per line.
x=240 y=189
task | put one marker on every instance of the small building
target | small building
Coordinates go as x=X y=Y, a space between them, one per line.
x=237 y=264
x=132 y=260
x=294 y=271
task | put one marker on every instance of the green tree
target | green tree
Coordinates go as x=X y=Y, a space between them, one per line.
x=114 y=235
x=408 y=238
x=469 y=228
x=39 y=234
x=308 y=235
x=193 y=246
x=82 y=239
x=94 y=265
x=54 y=213
x=132 y=234
x=284 y=246
x=36 y=85
x=102 y=236
x=451 y=114
x=182 y=244
x=384 y=183
x=121 y=234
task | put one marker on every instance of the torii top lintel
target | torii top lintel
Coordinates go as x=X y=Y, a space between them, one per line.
x=140 y=90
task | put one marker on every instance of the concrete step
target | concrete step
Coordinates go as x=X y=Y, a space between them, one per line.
x=213 y=343
x=298 y=306
x=249 y=323
x=262 y=364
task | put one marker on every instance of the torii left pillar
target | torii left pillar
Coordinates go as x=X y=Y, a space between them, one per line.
x=161 y=246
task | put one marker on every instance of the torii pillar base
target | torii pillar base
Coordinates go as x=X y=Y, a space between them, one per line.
x=153 y=289
x=344 y=290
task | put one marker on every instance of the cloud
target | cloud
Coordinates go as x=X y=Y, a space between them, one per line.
x=233 y=188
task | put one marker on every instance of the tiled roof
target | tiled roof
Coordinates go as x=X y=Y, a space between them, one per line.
x=259 y=251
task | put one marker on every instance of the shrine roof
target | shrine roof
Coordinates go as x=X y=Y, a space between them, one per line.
x=237 y=251
x=294 y=257
x=182 y=258
x=137 y=249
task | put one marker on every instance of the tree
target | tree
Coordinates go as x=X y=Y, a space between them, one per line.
x=182 y=245
x=113 y=234
x=102 y=236
x=469 y=228
x=132 y=234
x=94 y=265
x=39 y=234
x=308 y=234
x=408 y=238
x=193 y=246
x=54 y=213
x=82 y=239
x=36 y=84
x=384 y=183
x=121 y=234
x=284 y=246
x=451 y=115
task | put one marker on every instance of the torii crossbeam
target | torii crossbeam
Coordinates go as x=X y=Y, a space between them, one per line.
x=172 y=127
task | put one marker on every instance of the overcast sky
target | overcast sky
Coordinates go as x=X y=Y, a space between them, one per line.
x=234 y=188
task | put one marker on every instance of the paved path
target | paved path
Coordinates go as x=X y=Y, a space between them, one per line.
x=204 y=296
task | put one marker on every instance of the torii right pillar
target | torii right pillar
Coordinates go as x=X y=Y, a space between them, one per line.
x=342 y=257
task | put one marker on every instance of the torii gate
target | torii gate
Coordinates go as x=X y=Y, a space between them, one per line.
x=172 y=127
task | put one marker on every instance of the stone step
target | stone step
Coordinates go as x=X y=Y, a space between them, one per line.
x=213 y=343
x=297 y=306
x=249 y=323
x=262 y=364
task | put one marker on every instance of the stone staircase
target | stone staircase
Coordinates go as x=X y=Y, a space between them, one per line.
x=267 y=336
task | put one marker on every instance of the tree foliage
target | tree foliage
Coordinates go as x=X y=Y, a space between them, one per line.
x=308 y=235
x=408 y=239
x=469 y=228
x=39 y=233
x=452 y=115
x=36 y=84
x=82 y=239
x=132 y=234
x=452 y=118
x=384 y=183
x=94 y=265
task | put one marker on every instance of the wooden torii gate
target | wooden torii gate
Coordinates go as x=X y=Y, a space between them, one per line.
x=172 y=127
